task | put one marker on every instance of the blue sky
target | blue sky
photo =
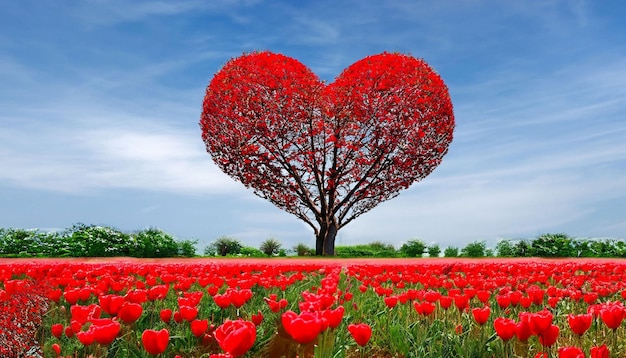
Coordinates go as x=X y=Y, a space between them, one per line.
x=100 y=103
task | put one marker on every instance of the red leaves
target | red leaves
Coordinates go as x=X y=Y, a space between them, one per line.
x=269 y=122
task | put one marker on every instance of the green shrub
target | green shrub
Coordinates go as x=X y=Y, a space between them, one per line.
x=374 y=249
x=302 y=249
x=434 y=250
x=451 y=251
x=413 y=248
x=153 y=242
x=249 y=251
x=270 y=247
x=223 y=246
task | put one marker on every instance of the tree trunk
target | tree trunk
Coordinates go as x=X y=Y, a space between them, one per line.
x=325 y=240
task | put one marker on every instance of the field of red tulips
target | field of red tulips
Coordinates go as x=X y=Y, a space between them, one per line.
x=312 y=308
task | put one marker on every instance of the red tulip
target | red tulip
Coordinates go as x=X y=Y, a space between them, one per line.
x=56 y=348
x=391 y=301
x=600 y=351
x=461 y=302
x=424 y=308
x=481 y=315
x=333 y=317
x=445 y=302
x=579 y=323
x=85 y=338
x=257 y=319
x=57 y=330
x=155 y=342
x=130 y=312
x=111 y=304
x=483 y=296
x=361 y=333
x=523 y=330
x=222 y=301
x=503 y=301
x=165 y=315
x=303 y=328
x=505 y=328
x=188 y=313
x=236 y=337
x=612 y=315
x=571 y=352
x=105 y=334
x=198 y=327
x=540 y=321
x=549 y=336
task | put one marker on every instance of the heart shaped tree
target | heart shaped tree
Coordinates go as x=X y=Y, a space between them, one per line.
x=327 y=153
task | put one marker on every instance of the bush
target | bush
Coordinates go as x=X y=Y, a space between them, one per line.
x=413 y=248
x=249 y=251
x=223 y=246
x=97 y=241
x=374 y=249
x=451 y=251
x=474 y=249
x=434 y=250
x=153 y=242
x=302 y=250
x=270 y=247
x=187 y=248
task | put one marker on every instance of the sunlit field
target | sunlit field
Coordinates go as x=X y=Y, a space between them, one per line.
x=292 y=307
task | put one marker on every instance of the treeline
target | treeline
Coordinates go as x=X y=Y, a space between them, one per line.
x=93 y=241
x=546 y=245
x=101 y=241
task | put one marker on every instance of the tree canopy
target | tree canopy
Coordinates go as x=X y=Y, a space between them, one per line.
x=327 y=153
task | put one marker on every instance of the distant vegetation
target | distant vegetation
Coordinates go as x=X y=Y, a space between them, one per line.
x=93 y=241
x=101 y=241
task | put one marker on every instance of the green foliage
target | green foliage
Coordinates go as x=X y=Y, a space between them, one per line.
x=413 y=248
x=434 y=250
x=451 y=251
x=187 y=248
x=82 y=240
x=270 y=247
x=249 y=251
x=504 y=248
x=153 y=242
x=554 y=245
x=474 y=249
x=302 y=249
x=374 y=249
x=523 y=249
x=223 y=246
x=98 y=241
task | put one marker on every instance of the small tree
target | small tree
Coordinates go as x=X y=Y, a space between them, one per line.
x=554 y=245
x=523 y=249
x=187 y=248
x=474 y=249
x=434 y=250
x=270 y=247
x=301 y=249
x=153 y=242
x=413 y=248
x=451 y=251
x=223 y=246
x=504 y=248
